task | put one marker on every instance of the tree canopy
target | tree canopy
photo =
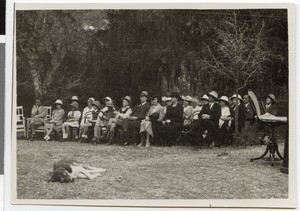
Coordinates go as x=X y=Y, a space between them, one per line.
x=121 y=52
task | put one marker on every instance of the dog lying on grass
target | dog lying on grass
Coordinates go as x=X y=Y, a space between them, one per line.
x=67 y=170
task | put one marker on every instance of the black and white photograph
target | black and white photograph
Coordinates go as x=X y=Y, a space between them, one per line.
x=152 y=104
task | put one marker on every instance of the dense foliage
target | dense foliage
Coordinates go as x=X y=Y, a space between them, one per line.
x=121 y=52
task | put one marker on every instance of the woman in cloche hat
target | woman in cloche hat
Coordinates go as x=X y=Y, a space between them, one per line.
x=90 y=121
x=187 y=110
x=54 y=124
x=225 y=120
x=87 y=111
x=72 y=120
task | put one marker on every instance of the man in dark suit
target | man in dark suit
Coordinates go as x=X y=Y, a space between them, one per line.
x=271 y=106
x=208 y=120
x=238 y=104
x=249 y=109
x=131 y=126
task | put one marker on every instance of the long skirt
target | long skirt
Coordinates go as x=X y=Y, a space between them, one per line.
x=147 y=127
x=169 y=132
x=36 y=121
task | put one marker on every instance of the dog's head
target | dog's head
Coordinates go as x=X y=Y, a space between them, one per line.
x=62 y=174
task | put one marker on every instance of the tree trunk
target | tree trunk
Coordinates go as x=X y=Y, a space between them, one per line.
x=36 y=78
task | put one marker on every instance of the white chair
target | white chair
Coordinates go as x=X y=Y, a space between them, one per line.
x=41 y=129
x=21 y=122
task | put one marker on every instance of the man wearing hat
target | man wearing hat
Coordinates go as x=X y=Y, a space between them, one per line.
x=208 y=119
x=90 y=121
x=131 y=125
x=38 y=115
x=104 y=116
x=271 y=106
x=55 y=123
x=238 y=103
x=123 y=113
x=249 y=110
x=72 y=120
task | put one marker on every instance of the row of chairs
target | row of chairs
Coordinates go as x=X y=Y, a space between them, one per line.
x=23 y=122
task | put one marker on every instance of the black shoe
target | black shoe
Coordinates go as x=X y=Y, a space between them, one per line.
x=32 y=137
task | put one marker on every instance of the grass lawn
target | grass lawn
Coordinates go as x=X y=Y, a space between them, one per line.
x=153 y=173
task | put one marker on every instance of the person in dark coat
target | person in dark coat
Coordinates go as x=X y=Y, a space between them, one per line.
x=208 y=120
x=238 y=104
x=249 y=109
x=131 y=125
x=271 y=106
x=173 y=121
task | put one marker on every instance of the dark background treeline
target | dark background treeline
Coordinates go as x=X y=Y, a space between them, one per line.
x=121 y=52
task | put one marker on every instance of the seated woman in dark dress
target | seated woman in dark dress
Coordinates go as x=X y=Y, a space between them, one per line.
x=173 y=121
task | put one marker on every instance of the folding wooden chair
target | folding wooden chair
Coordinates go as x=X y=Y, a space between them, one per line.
x=21 y=121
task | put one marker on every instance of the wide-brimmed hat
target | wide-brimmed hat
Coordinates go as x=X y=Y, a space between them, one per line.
x=237 y=96
x=188 y=98
x=213 y=94
x=127 y=98
x=176 y=95
x=224 y=98
x=144 y=94
x=204 y=97
x=58 y=102
x=110 y=104
x=97 y=103
x=75 y=98
x=75 y=105
x=108 y=99
x=91 y=99
x=272 y=97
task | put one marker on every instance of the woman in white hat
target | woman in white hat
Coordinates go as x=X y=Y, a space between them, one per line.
x=55 y=123
x=155 y=116
x=187 y=110
x=87 y=111
x=225 y=120
x=225 y=112
x=72 y=120
x=271 y=107
x=106 y=113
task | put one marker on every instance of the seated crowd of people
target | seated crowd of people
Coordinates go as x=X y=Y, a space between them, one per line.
x=210 y=118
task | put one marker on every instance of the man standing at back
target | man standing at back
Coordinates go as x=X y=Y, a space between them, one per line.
x=131 y=125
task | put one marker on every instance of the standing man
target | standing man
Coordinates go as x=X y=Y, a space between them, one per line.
x=249 y=110
x=38 y=115
x=132 y=124
x=238 y=105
